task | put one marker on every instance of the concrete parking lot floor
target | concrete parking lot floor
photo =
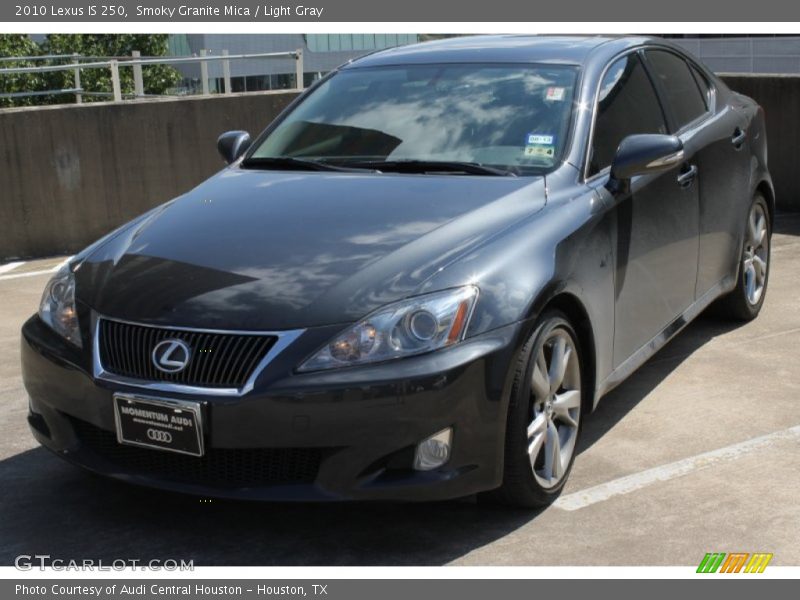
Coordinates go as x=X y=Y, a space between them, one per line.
x=698 y=452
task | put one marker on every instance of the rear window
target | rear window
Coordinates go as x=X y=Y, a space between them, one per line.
x=703 y=84
x=682 y=94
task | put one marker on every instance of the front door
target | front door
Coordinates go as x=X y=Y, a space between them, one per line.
x=656 y=222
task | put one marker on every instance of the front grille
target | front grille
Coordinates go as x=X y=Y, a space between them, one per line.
x=217 y=360
x=219 y=467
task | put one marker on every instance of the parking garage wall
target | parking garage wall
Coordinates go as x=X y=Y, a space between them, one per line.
x=779 y=95
x=69 y=174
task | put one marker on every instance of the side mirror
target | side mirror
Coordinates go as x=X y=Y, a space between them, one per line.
x=645 y=153
x=232 y=144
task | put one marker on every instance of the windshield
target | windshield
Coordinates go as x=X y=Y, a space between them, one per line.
x=511 y=117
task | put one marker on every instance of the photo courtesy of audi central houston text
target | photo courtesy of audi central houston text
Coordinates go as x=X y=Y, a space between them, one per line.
x=417 y=283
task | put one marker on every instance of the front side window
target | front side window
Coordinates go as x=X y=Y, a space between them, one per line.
x=627 y=104
x=680 y=87
x=512 y=117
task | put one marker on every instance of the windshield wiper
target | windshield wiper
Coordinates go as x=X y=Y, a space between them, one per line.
x=430 y=166
x=295 y=164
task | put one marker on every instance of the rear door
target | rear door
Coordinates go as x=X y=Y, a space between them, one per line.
x=715 y=135
x=657 y=223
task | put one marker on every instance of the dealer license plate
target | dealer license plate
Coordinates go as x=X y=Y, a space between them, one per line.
x=172 y=425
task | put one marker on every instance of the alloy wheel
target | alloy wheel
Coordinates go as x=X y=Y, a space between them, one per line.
x=756 y=254
x=556 y=406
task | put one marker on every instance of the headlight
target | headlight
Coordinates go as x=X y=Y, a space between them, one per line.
x=57 y=307
x=398 y=330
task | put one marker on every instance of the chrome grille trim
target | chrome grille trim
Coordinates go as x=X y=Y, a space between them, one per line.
x=282 y=339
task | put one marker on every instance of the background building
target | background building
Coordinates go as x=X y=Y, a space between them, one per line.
x=745 y=54
x=324 y=52
x=321 y=53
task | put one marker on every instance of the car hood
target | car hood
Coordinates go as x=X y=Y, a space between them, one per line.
x=266 y=250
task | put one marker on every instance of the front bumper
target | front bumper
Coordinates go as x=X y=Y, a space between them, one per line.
x=347 y=434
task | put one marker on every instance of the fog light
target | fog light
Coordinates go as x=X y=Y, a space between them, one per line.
x=433 y=452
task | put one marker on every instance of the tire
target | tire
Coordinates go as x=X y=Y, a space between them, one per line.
x=524 y=485
x=744 y=302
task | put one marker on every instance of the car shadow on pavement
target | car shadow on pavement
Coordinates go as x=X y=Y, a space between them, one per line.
x=620 y=401
x=49 y=507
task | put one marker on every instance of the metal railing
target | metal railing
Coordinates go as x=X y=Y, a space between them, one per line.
x=136 y=62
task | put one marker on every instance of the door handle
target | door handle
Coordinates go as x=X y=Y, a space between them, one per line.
x=687 y=176
x=739 y=136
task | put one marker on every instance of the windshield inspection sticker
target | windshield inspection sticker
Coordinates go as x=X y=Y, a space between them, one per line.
x=556 y=94
x=539 y=139
x=542 y=151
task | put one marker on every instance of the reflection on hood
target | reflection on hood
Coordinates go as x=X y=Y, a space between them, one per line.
x=277 y=250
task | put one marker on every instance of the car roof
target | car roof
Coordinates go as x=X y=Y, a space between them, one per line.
x=573 y=50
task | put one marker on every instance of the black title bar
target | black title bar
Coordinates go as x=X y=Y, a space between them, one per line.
x=452 y=11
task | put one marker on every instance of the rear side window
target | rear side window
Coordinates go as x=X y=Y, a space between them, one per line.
x=627 y=105
x=683 y=96
x=703 y=83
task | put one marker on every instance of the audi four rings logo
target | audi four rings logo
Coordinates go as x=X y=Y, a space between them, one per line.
x=171 y=356
x=157 y=435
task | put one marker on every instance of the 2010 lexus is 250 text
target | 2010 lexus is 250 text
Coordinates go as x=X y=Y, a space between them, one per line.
x=417 y=282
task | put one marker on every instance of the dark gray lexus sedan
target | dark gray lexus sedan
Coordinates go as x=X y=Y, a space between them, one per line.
x=417 y=282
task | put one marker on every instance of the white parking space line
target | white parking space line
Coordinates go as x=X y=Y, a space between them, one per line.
x=637 y=481
x=62 y=263
x=29 y=273
x=10 y=266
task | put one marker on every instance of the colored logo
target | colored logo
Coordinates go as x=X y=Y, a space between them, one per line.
x=735 y=562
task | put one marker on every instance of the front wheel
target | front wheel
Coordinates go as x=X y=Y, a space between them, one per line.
x=544 y=417
x=745 y=301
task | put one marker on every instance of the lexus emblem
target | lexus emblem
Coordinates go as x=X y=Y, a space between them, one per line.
x=157 y=435
x=171 y=356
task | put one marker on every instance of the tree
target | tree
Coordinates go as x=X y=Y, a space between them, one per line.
x=19 y=45
x=157 y=79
